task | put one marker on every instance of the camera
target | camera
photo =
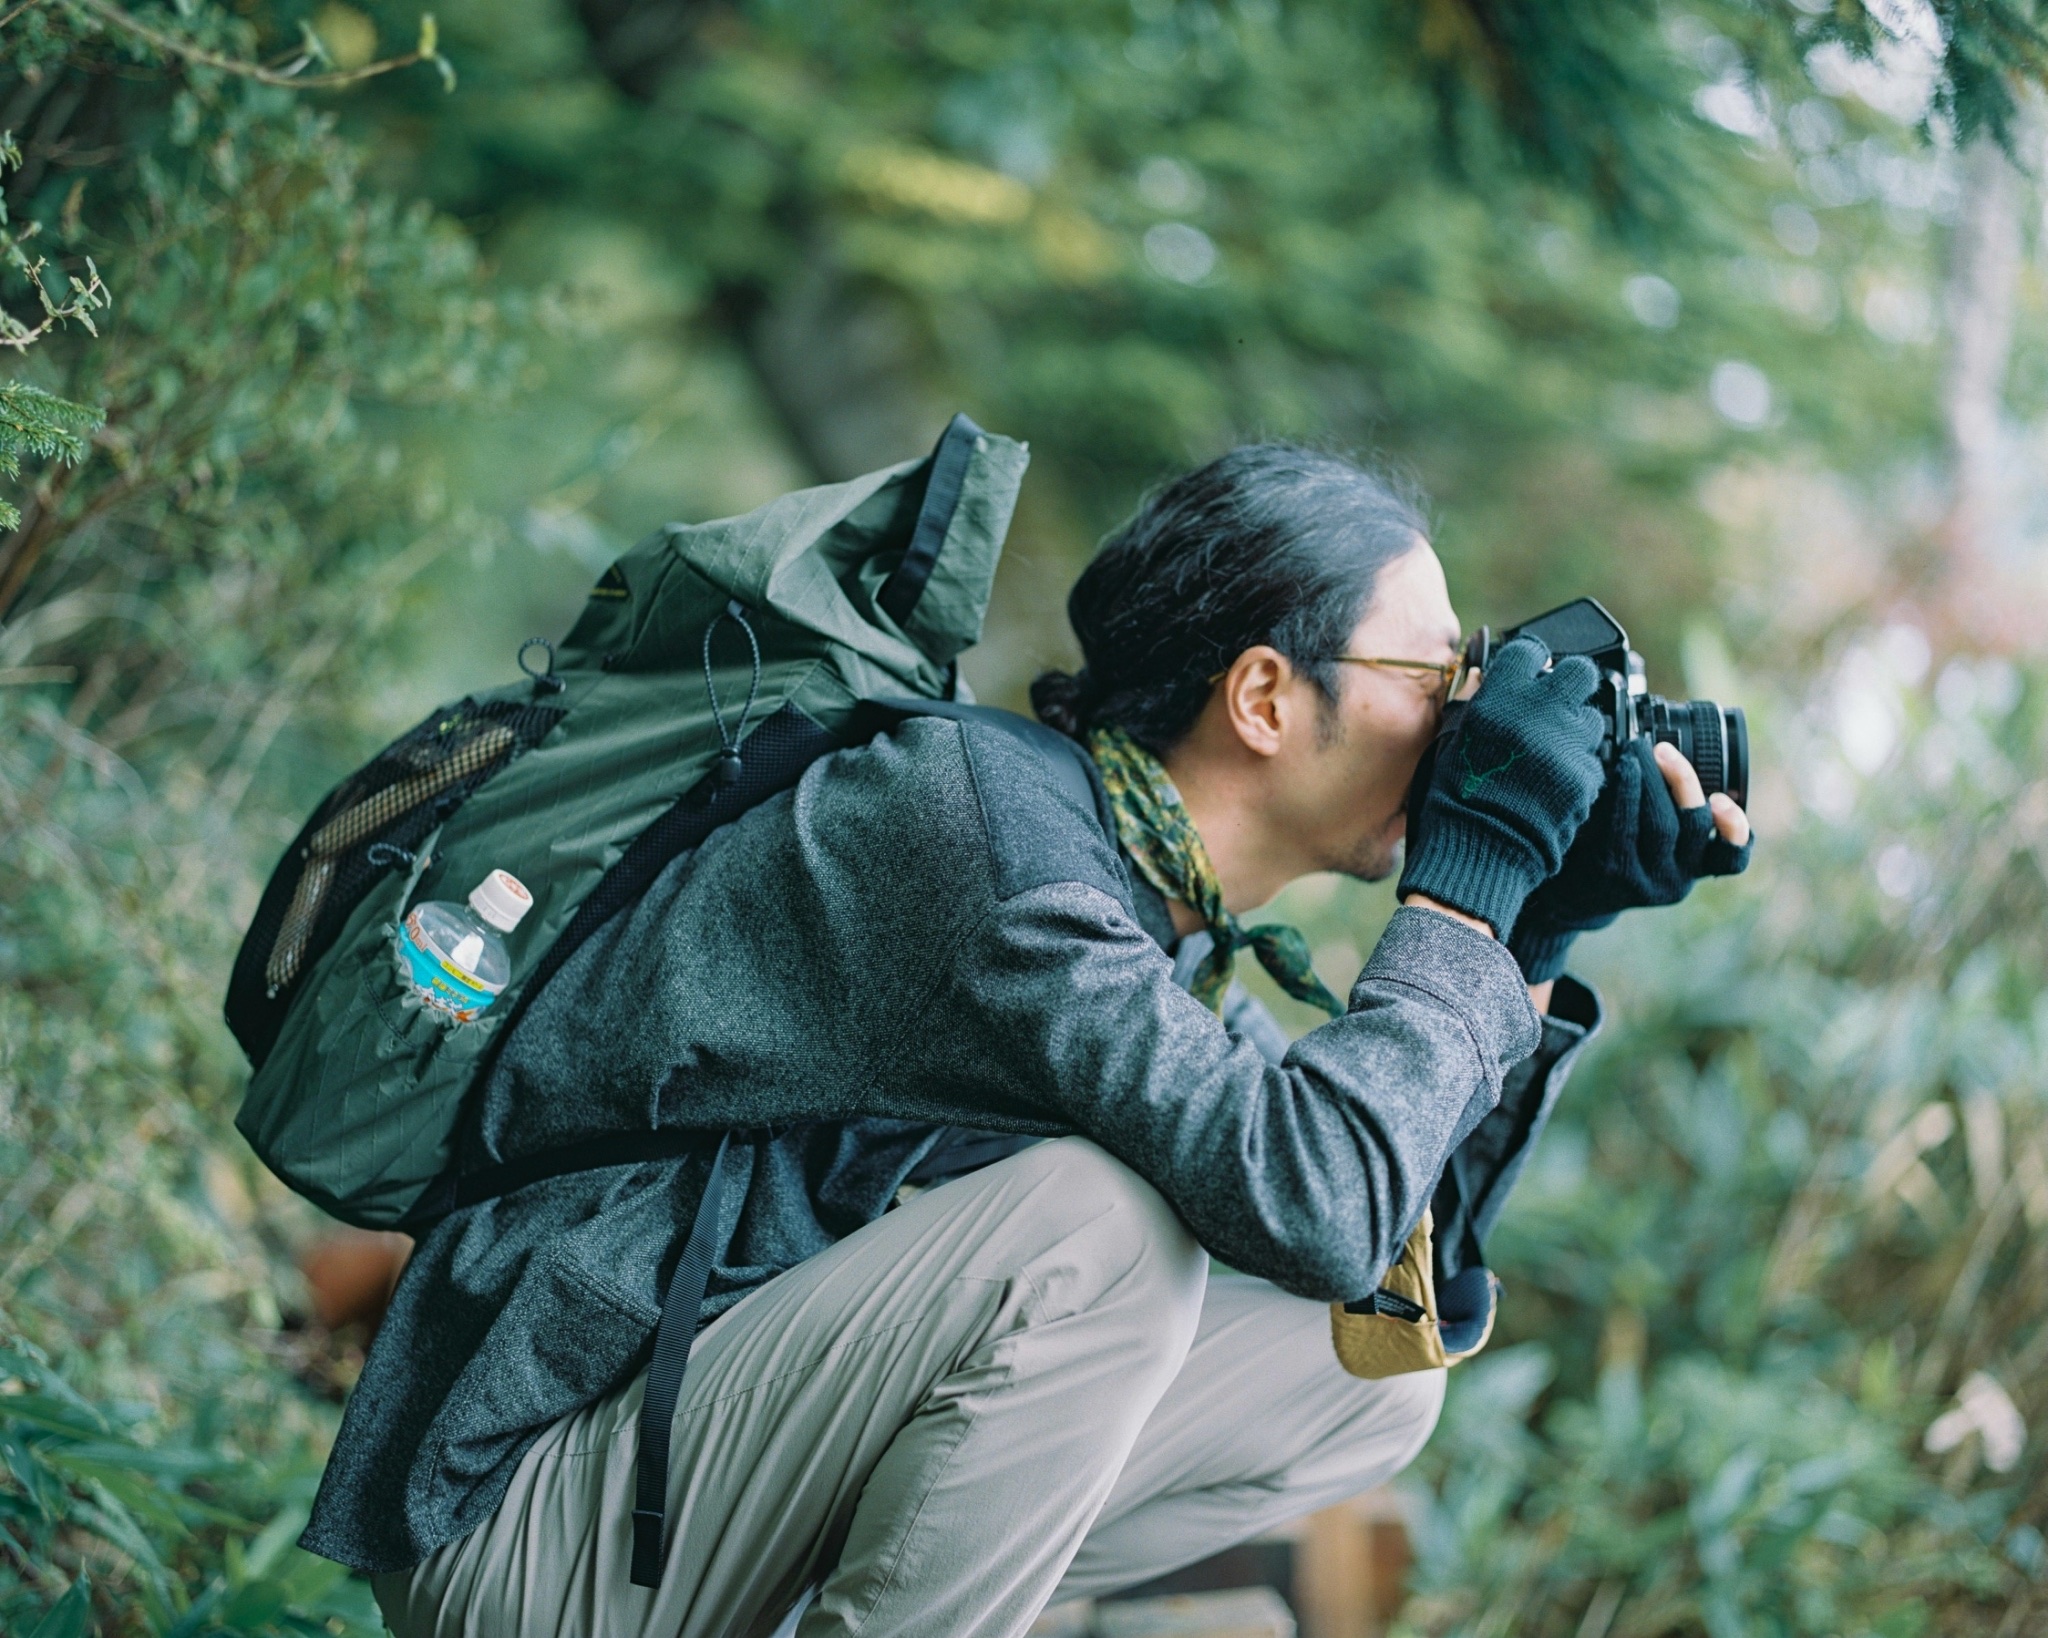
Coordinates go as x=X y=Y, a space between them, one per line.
x=1713 y=738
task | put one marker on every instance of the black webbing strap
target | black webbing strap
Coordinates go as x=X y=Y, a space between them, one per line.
x=905 y=585
x=672 y=1339
x=777 y=753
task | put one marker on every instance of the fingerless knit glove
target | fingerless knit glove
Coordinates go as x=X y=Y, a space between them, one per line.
x=1637 y=849
x=1510 y=787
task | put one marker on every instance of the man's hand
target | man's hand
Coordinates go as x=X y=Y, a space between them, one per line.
x=1683 y=781
x=1652 y=834
x=1508 y=789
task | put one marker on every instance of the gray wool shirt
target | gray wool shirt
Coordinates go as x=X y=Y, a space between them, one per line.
x=925 y=933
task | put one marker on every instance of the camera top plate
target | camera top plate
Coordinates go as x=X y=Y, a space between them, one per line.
x=1582 y=626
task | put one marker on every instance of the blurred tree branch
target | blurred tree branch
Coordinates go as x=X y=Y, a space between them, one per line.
x=33 y=423
x=1584 y=93
x=427 y=51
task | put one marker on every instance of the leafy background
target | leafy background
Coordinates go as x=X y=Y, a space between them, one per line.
x=1726 y=311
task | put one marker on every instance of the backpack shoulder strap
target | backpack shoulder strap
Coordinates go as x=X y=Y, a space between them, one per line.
x=787 y=748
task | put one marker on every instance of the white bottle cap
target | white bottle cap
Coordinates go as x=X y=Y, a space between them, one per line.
x=501 y=899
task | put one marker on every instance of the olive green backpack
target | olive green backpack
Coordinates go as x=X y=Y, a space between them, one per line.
x=712 y=664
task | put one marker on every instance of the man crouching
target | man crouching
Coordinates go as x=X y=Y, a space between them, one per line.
x=933 y=1411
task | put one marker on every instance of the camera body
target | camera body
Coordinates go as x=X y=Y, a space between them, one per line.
x=1713 y=738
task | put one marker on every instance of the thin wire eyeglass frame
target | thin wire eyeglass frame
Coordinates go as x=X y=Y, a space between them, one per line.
x=1448 y=673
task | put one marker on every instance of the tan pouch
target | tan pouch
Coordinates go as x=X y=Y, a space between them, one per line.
x=1395 y=1330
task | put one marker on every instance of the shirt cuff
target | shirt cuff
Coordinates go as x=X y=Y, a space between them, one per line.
x=1471 y=974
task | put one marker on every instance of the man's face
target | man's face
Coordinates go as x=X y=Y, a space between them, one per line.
x=1342 y=793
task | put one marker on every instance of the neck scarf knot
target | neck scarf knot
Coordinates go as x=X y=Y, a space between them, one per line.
x=1162 y=841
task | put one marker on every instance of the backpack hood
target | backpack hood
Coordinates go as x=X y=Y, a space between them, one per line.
x=896 y=565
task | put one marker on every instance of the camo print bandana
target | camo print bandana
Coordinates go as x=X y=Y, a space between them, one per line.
x=1163 y=843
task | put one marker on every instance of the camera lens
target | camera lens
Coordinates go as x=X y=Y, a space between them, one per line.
x=1715 y=741
x=1737 y=739
x=1703 y=742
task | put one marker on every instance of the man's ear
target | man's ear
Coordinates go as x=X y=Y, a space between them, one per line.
x=1258 y=698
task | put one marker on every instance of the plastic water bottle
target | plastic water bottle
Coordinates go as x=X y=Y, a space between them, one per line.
x=454 y=955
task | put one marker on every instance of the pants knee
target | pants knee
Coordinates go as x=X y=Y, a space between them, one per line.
x=1419 y=1407
x=1162 y=1269
x=1390 y=1430
x=1381 y=1427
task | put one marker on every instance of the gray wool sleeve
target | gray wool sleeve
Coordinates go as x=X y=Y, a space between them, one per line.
x=1310 y=1172
x=1243 y=1013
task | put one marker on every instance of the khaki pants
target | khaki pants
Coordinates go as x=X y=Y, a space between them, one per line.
x=1019 y=1387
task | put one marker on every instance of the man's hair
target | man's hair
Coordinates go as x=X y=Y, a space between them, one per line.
x=1271 y=543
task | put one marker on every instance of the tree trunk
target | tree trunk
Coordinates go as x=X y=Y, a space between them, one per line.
x=843 y=364
x=1985 y=595
x=1983 y=283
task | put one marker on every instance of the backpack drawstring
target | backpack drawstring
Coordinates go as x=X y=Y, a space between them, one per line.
x=544 y=682
x=729 y=743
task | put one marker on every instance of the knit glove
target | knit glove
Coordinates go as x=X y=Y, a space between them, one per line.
x=1638 y=848
x=1509 y=786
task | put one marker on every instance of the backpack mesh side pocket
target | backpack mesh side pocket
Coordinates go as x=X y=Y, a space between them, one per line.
x=371 y=821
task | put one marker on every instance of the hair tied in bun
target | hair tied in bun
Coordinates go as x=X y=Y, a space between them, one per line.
x=1065 y=700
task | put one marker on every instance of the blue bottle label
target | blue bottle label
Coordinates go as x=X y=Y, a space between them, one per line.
x=441 y=984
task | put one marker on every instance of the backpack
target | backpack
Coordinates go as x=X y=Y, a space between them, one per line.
x=711 y=665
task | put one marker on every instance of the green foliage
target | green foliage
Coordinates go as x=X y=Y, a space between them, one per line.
x=1134 y=235
x=41 y=426
x=1510 y=245
x=1991 y=47
x=206 y=1539
x=190 y=612
x=35 y=423
x=1585 y=96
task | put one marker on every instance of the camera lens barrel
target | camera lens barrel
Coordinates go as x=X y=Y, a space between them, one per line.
x=1714 y=739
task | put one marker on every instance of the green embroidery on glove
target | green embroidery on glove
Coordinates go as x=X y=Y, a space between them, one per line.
x=1469 y=786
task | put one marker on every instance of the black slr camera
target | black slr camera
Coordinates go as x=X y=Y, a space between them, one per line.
x=1713 y=738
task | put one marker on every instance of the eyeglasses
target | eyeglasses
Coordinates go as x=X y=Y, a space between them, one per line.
x=1446 y=672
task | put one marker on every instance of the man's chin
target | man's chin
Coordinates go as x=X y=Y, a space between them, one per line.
x=1375 y=864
